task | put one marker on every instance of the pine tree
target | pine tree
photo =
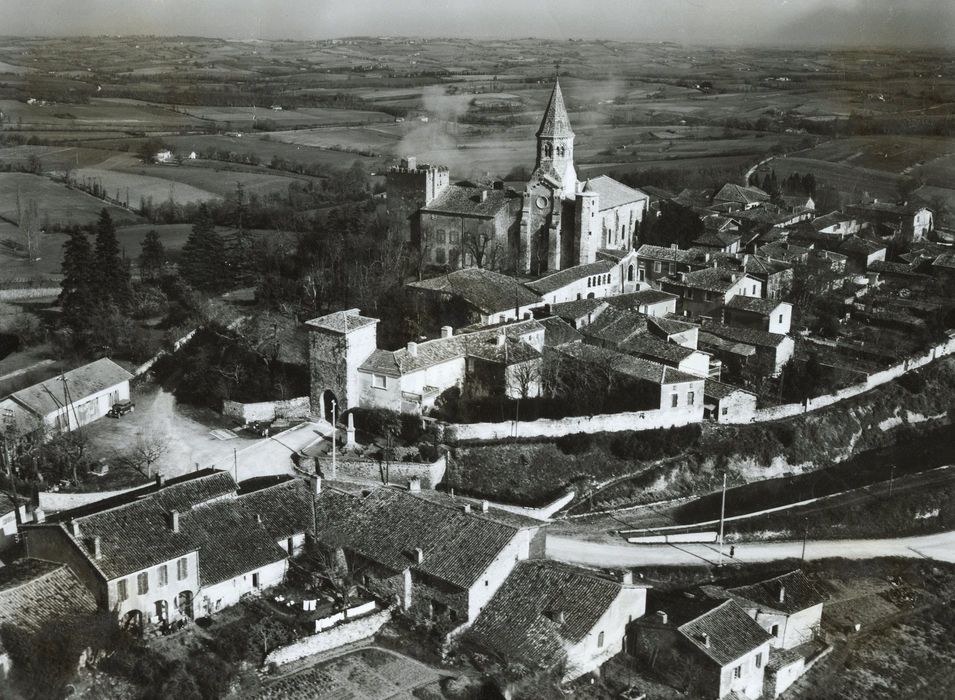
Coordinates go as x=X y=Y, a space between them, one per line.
x=111 y=269
x=203 y=255
x=152 y=257
x=77 y=292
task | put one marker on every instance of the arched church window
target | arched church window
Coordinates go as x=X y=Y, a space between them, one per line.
x=630 y=274
x=548 y=149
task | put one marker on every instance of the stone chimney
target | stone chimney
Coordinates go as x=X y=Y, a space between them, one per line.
x=174 y=520
x=97 y=547
x=499 y=340
x=467 y=507
x=160 y=480
x=414 y=485
x=75 y=528
x=782 y=593
x=39 y=516
x=484 y=506
x=705 y=638
x=316 y=483
x=258 y=518
x=446 y=331
x=674 y=246
x=626 y=577
x=682 y=276
x=412 y=348
x=662 y=616
x=706 y=257
x=483 y=195
x=418 y=555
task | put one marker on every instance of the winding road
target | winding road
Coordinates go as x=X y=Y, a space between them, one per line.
x=940 y=547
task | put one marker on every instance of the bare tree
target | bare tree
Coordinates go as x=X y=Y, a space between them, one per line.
x=28 y=220
x=145 y=452
x=525 y=377
x=483 y=249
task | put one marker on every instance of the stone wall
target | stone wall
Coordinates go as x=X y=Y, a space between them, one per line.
x=333 y=638
x=399 y=473
x=298 y=407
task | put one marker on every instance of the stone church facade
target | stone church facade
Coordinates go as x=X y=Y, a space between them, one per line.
x=557 y=222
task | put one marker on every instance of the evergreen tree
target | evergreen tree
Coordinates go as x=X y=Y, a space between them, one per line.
x=112 y=270
x=203 y=257
x=152 y=257
x=77 y=295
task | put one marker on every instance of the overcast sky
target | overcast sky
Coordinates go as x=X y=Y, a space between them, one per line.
x=851 y=22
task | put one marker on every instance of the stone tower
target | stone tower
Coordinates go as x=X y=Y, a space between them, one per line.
x=555 y=144
x=408 y=187
x=587 y=226
x=338 y=344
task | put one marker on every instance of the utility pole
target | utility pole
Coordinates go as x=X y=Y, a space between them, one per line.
x=891 y=479
x=805 y=536
x=235 y=464
x=722 y=518
x=334 y=430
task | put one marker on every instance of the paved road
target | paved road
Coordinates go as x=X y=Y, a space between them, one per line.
x=940 y=546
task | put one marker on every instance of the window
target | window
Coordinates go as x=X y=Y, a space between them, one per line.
x=439 y=256
x=290 y=545
x=163 y=576
x=759 y=660
x=690 y=398
x=724 y=410
x=441 y=237
x=675 y=400
x=255 y=580
x=379 y=381
x=754 y=290
x=774 y=630
x=454 y=238
x=142 y=583
x=780 y=318
x=738 y=672
x=657 y=267
x=182 y=568
x=600 y=639
x=121 y=592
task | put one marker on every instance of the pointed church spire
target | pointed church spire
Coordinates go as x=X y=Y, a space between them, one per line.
x=556 y=123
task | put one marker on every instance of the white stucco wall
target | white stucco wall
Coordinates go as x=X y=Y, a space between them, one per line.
x=226 y=593
x=589 y=654
x=750 y=682
x=146 y=602
x=486 y=586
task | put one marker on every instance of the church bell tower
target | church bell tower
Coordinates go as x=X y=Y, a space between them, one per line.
x=555 y=144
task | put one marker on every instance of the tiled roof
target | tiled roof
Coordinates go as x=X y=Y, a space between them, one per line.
x=894 y=268
x=710 y=279
x=522 y=622
x=556 y=123
x=754 y=305
x=486 y=290
x=480 y=343
x=670 y=326
x=558 y=332
x=627 y=365
x=560 y=279
x=719 y=390
x=188 y=493
x=230 y=540
x=635 y=300
x=388 y=525
x=469 y=201
x=55 y=393
x=827 y=220
x=945 y=261
x=751 y=336
x=612 y=193
x=615 y=254
x=798 y=593
x=33 y=592
x=285 y=509
x=657 y=192
x=616 y=325
x=341 y=321
x=717 y=239
x=572 y=310
x=664 y=254
x=744 y=195
x=782 y=251
x=725 y=633
x=645 y=345
x=730 y=346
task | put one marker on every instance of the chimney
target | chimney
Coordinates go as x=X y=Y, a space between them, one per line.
x=418 y=555
x=746 y=260
x=316 y=482
x=499 y=340
x=160 y=480
x=258 y=518
x=174 y=520
x=467 y=507
x=484 y=506
x=97 y=547
x=483 y=195
x=662 y=616
x=674 y=246
x=782 y=594
x=446 y=331
x=75 y=528
x=414 y=485
x=705 y=638
x=682 y=276
x=626 y=577
x=39 y=516
x=706 y=257
x=411 y=162
x=734 y=277
x=412 y=349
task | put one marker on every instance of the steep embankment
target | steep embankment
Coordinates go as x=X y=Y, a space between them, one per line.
x=645 y=467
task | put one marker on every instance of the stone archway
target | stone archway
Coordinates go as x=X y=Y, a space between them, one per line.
x=330 y=405
x=133 y=622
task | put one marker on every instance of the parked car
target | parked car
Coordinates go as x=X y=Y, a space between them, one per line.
x=121 y=408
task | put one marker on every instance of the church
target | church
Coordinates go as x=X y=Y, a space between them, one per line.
x=557 y=221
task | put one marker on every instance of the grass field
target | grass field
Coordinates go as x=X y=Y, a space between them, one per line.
x=132 y=187
x=53 y=157
x=58 y=204
x=101 y=113
x=848 y=179
x=311 y=116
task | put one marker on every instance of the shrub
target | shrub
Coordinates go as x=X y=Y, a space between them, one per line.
x=575 y=444
x=912 y=382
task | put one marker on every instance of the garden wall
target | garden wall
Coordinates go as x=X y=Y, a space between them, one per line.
x=399 y=473
x=333 y=638
x=267 y=410
x=556 y=427
x=50 y=501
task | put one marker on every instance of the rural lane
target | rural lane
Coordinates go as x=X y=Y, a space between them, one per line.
x=940 y=546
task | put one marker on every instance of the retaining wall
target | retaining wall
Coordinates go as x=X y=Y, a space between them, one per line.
x=343 y=634
x=297 y=407
x=399 y=473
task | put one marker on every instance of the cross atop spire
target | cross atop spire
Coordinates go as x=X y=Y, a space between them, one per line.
x=556 y=123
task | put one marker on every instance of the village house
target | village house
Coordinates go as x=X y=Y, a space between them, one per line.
x=657 y=262
x=860 y=253
x=578 y=313
x=651 y=302
x=732 y=197
x=346 y=362
x=550 y=616
x=768 y=352
x=704 y=292
x=776 y=275
x=71 y=399
x=761 y=314
x=441 y=558
x=172 y=550
x=605 y=277
x=34 y=593
x=473 y=296
x=905 y=221
x=837 y=224
x=728 y=403
x=705 y=648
